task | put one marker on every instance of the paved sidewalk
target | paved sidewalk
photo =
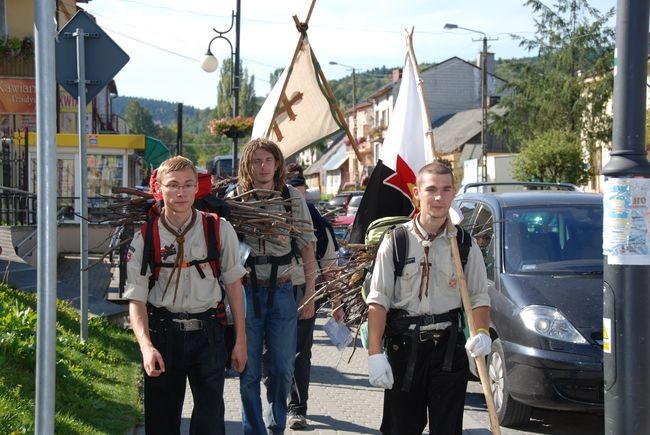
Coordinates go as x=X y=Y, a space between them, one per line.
x=341 y=401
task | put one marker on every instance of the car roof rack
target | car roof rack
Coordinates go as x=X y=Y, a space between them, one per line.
x=525 y=185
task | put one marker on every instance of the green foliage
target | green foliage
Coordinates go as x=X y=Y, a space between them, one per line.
x=275 y=76
x=247 y=100
x=95 y=381
x=368 y=82
x=200 y=154
x=554 y=156
x=139 y=119
x=568 y=85
x=22 y=48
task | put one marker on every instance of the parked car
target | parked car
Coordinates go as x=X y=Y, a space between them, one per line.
x=543 y=253
x=341 y=200
x=353 y=205
x=342 y=226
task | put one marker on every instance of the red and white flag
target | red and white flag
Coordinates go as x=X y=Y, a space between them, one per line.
x=405 y=150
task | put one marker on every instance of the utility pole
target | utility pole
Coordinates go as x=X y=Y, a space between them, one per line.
x=484 y=110
x=179 y=129
x=236 y=85
x=626 y=325
x=210 y=64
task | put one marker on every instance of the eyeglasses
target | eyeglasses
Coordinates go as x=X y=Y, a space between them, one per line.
x=173 y=187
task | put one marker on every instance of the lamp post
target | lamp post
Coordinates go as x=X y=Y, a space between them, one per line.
x=354 y=108
x=354 y=94
x=210 y=64
x=484 y=96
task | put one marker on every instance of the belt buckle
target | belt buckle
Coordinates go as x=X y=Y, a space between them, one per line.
x=189 y=325
x=431 y=335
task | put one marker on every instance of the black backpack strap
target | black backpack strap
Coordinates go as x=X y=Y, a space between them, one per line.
x=464 y=241
x=147 y=249
x=400 y=249
x=212 y=242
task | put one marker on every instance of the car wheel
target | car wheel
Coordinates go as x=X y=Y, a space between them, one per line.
x=509 y=411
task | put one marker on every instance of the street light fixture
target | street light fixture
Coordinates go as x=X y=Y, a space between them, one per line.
x=354 y=94
x=484 y=96
x=210 y=64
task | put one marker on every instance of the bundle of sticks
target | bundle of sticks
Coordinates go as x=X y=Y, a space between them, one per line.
x=268 y=218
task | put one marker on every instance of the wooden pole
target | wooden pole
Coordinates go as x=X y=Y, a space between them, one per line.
x=480 y=361
x=425 y=112
x=330 y=94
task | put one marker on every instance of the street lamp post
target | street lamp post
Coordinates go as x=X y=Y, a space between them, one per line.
x=354 y=106
x=484 y=96
x=354 y=94
x=210 y=64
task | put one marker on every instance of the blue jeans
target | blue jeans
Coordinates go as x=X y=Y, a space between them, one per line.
x=276 y=326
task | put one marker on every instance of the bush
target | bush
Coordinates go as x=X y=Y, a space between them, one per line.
x=95 y=381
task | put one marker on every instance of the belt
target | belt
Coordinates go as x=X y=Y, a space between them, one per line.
x=267 y=282
x=434 y=335
x=188 y=321
x=188 y=325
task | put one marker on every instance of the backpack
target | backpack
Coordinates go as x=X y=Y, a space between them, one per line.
x=211 y=208
x=375 y=234
x=321 y=228
x=378 y=229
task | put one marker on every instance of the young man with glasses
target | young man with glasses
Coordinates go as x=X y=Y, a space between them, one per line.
x=179 y=318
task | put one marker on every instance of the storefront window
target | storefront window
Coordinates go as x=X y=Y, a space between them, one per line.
x=65 y=186
x=104 y=173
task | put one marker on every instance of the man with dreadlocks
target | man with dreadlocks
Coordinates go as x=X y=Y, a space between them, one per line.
x=272 y=311
x=179 y=318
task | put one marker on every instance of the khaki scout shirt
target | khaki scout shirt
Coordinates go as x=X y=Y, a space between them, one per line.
x=444 y=285
x=258 y=246
x=195 y=294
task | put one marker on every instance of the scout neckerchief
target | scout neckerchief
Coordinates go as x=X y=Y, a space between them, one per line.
x=426 y=242
x=180 y=254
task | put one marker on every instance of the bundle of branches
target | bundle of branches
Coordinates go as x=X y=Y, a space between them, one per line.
x=345 y=285
x=267 y=218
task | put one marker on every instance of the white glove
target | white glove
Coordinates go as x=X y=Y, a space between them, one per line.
x=379 y=371
x=479 y=345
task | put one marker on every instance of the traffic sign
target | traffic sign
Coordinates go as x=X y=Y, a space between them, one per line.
x=103 y=57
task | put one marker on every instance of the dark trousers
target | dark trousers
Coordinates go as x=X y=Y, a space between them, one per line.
x=434 y=393
x=197 y=356
x=300 y=385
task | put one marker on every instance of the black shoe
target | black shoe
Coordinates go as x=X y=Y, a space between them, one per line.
x=297 y=422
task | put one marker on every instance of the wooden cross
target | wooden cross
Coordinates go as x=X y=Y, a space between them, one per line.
x=285 y=106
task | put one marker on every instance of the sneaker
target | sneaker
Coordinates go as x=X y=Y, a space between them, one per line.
x=297 y=422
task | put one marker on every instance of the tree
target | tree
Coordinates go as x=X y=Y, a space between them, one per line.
x=568 y=85
x=225 y=102
x=275 y=76
x=554 y=156
x=139 y=119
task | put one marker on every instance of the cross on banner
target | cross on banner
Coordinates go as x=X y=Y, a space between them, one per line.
x=285 y=107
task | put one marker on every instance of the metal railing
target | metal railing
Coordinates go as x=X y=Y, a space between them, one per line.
x=17 y=207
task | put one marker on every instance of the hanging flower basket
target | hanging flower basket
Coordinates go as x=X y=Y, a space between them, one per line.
x=231 y=127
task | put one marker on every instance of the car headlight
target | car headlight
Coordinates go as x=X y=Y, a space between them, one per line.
x=550 y=323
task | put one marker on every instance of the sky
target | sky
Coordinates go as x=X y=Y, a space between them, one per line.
x=167 y=39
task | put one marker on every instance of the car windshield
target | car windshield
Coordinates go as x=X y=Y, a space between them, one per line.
x=558 y=239
x=338 y=200
x=355 y=201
